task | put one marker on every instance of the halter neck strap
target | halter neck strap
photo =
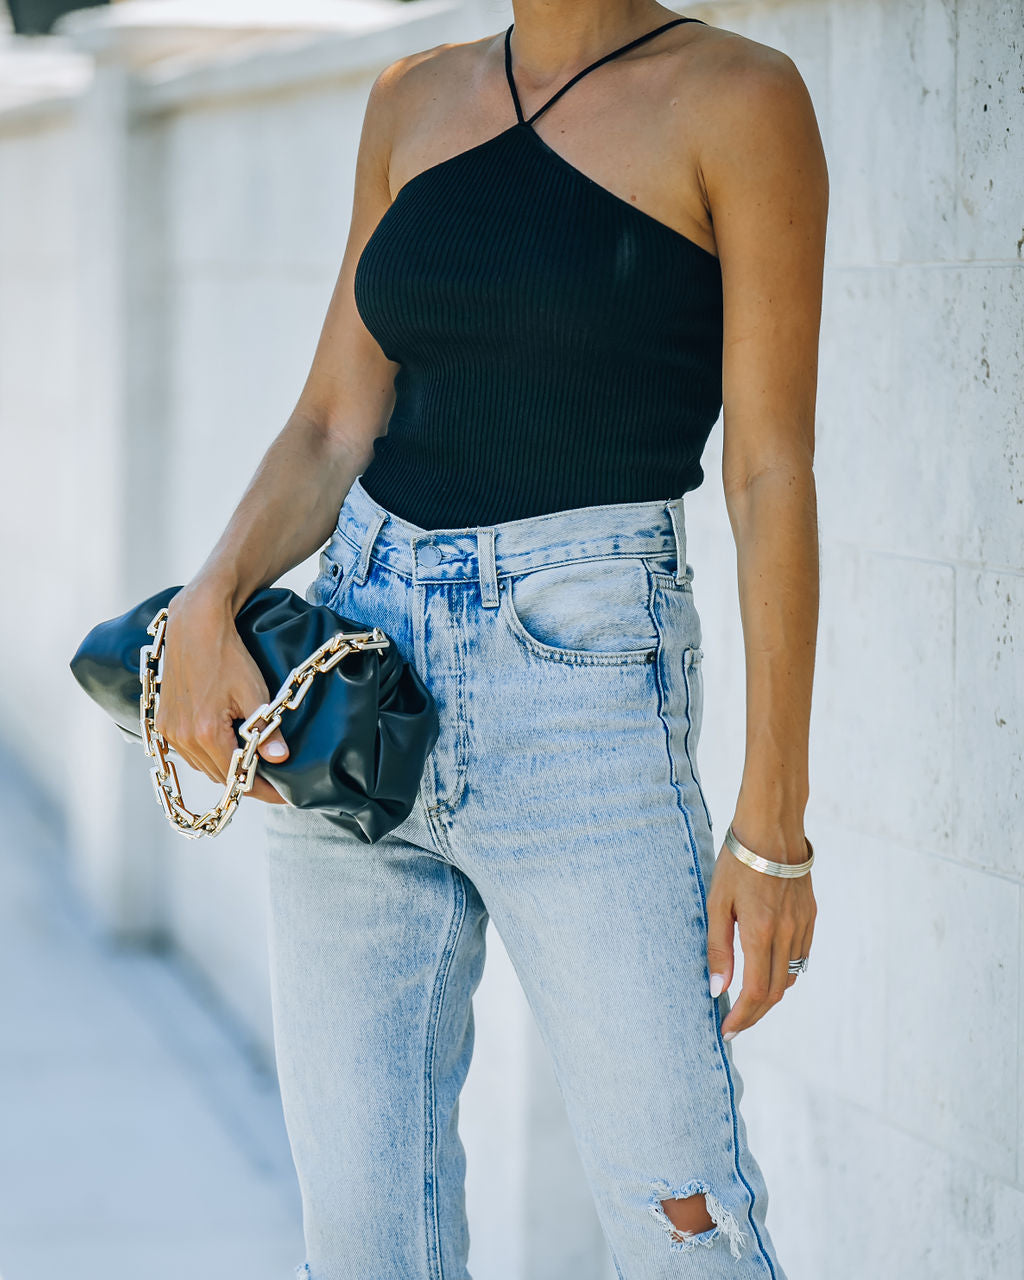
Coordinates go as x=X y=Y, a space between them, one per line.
x=580 y=74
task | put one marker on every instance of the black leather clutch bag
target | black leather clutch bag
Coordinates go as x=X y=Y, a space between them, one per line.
x=358 y=719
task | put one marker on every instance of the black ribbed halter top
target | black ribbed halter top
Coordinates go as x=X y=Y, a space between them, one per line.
x=559 y=347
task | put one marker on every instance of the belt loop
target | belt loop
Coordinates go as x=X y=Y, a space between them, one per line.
x=675 y=511
x=362 y=568
x=488 y=571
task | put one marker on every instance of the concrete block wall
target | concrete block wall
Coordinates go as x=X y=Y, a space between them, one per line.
x=164 y=268
x=885 y=1094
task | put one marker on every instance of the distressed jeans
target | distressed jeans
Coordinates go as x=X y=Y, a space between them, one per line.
x=563 y=802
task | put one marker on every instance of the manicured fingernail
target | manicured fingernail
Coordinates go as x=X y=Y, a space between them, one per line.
x=728 y=1035
x=717 y=983
x=275 y=749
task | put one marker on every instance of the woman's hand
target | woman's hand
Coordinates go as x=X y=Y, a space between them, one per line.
x=776 y=918
x=209 y=680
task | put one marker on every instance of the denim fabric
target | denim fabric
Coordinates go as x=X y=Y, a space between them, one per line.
x=562 y=802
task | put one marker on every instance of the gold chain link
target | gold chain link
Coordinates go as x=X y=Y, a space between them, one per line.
x=244 y=762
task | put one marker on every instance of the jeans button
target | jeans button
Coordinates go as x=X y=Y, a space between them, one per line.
x=430 y=556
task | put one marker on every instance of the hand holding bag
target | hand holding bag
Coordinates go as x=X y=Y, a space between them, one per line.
x=358 y=719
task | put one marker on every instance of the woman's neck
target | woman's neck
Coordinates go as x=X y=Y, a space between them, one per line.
x=553 y=40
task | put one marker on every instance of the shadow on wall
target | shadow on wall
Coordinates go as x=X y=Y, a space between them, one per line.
x=36 y=17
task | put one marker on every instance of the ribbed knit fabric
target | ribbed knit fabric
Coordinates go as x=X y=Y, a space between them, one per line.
x=559 y=347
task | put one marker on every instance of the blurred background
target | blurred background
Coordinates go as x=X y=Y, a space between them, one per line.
x=175 y=189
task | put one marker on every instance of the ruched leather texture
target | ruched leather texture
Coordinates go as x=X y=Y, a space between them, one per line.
x=358 y=741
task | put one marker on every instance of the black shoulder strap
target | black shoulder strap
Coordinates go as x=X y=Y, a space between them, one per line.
x=580 y=74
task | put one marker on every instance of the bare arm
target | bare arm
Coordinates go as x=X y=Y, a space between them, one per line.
x=291 y=504
x=767 y=186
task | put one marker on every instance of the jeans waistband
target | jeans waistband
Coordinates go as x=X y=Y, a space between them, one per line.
x=485 y=553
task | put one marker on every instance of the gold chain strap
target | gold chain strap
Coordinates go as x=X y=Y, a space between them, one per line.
x=244 y=762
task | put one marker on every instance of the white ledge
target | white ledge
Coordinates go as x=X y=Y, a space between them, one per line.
x=138 y=32
x=40 y=75
x=265 y=63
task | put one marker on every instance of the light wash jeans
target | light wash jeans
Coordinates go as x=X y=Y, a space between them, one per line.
x=563 y=802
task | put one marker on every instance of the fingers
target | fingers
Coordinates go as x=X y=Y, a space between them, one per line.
x=721 y=931
x=220 y=740
x=213 y=741
x=263 y=790
x=756 y=935
x=209 y=684
x=218 y=746
x=770 y=939
x=798 y=948
x=192 y=752
x=782 y=953
x=804 y=949
x=274 y=750
x=186 y=737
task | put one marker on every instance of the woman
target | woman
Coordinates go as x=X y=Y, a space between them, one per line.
x=571 y=244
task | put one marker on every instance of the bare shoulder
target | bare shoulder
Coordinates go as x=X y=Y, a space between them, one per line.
x=414 y=98
x=418 y=105
x=411 y=82
x=758 y=116
x=738 y=65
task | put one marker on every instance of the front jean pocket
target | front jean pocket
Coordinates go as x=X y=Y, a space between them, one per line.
x=586 y=611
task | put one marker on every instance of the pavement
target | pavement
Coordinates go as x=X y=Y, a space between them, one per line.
x=141 y=1137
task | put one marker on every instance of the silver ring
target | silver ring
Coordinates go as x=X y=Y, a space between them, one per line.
x=799 y=965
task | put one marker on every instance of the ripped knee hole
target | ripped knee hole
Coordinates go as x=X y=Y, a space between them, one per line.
x=693 y=1215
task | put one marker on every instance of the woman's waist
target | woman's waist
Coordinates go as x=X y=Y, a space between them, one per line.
x=645 y=529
